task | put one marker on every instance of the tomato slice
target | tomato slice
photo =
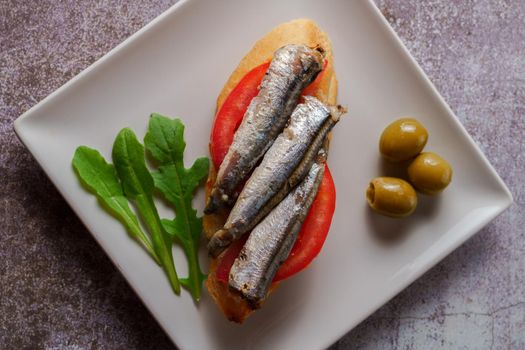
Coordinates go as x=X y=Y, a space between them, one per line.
x=317 y=223
x=228 y=258
x=309 y=241
x=230 y=115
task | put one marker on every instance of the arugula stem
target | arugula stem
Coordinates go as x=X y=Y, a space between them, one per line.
x=194 y=281
x=159 y=236
x=143 y=239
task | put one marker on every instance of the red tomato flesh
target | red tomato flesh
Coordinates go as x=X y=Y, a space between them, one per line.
x=230 y=115
x=317 y=223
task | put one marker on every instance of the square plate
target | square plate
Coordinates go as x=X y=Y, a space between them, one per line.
x=177 y=65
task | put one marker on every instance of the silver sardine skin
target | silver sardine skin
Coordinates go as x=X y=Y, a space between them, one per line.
x=283 y=166
x=292 y=69
x=271 y=241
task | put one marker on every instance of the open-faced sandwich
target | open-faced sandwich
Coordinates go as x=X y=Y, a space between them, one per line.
x=269 y=195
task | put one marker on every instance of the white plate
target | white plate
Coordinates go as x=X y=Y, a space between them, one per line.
x=177 y=65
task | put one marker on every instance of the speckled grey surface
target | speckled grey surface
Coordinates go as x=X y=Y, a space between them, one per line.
x=59 y=291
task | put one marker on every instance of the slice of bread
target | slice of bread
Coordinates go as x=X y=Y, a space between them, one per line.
x=299 y=31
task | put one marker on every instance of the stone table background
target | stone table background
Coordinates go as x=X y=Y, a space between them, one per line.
x=58 y=290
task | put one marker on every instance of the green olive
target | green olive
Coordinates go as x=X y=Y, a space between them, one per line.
x=403 y=139
x=429 y=173
x=391 y=196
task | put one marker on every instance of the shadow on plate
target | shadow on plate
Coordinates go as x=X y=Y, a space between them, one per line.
x=393 y=231
x=275 y=316
x=386 y=168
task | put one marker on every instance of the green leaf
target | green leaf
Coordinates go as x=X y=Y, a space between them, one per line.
x=193 y=282
x=137 y=182
x=100 y=178
x=128 y=156
x=165 y=142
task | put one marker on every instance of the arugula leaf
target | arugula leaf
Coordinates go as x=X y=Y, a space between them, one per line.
x=165 y=142
x=137 y=183
x=100 y=178
x=130 y=180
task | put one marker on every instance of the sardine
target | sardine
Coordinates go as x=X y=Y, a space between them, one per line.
x=284 y=165
x=292 y=69
x=271 y=241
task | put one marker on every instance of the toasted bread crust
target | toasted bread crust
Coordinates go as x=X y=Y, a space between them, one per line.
x=299 y=31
